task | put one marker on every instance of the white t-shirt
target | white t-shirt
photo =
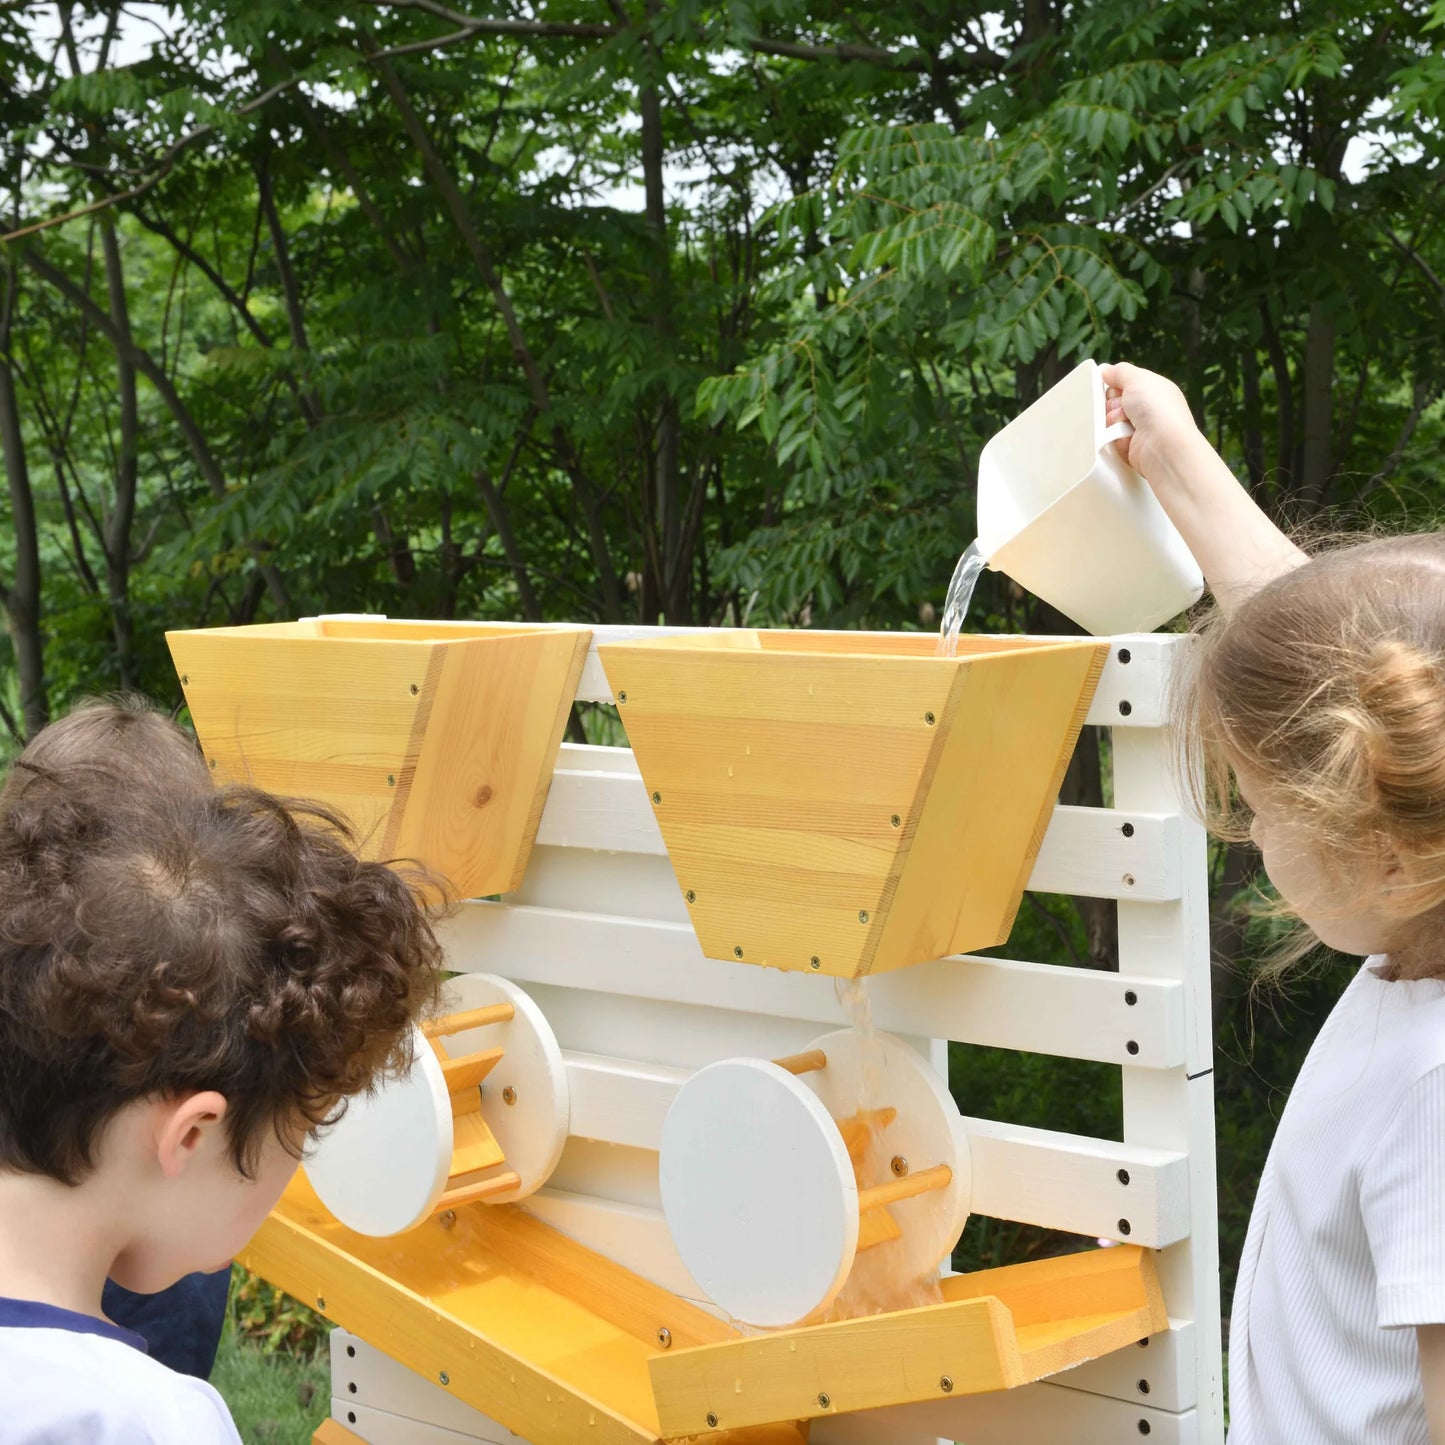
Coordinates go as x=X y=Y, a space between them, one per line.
x=1346 y=1246
x=71 y=1379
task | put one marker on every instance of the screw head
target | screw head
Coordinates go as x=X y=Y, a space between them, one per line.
x=1127 y=829
x=509 y=1095
x=815 y=962
x=1125 y=1228
x=1125 y=708
x=1124 y=654
x=929 y=718
x=899 y=1165
x=664 y=1337
x=185 y=679
x=391 y=780
x=320 y=1302
x=711 y=1420
x=1143 y=1387
x=862 y=915
x=1132 y=1046
x=946 y=1384
x=823 y=1401
x=443 y=1377
x=690 y=896
x=213 y=765
x=1130 y=997
x=657 y=797
x=1128 y=880
x=1123 y=1176
x=621 y=697
x=737 y=950
x=896 y=821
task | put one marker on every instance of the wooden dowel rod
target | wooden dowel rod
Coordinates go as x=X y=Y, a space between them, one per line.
x=878 y=1195
x=472 y=1018
x=469 y=1193
x=804 y=1063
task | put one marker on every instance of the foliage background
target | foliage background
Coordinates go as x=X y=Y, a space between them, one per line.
x=693 y=311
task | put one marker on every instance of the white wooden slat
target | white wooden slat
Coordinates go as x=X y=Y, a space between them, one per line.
x=1174 y=1109
x=1085 y=851
x=613 y=1173
x=380 y=1427
x=363 y=1375
x=618 y=1101
x=1067 y=1181
x=631 y=1235
x=634 y=885
x=1038 y=1008
x=1041 y=1414
x=1161 y=1372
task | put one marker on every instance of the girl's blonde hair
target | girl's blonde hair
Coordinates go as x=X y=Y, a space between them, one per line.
x=1328 y=687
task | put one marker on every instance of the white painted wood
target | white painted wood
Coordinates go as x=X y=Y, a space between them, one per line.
x=1042 y=1414
x=1085 y=850
x=759 y=1192
x=1174 y=1109
x=383 y=1165
x=364 y=1376
x=1038 y=1008
x=1165 y=1364
x=525 y=1098
x=378 y=1427
x=1067 y=1181
x=618 y=1101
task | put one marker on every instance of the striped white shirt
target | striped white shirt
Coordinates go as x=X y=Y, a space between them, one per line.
x=1346 y=1246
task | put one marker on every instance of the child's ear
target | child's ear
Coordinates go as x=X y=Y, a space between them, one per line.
x=186 y=1123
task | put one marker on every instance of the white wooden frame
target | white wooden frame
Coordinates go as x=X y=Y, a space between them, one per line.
x=598 y=934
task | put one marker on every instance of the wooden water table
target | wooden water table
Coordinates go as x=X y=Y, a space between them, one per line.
x=633 y=1181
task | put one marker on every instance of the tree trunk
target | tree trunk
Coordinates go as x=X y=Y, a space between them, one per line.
x=1317 y=446
x=22 y=597
x=122 y=510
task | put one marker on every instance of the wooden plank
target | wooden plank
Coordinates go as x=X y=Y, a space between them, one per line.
x=1085 y=851
x=1159 y=1369
x=380 y=1427
x=618 y=1101
x=333 y=1432
x=1039 y=1008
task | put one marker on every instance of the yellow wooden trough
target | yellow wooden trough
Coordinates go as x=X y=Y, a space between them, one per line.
x=562 y=1345
x=848 y=804
x=436 y=741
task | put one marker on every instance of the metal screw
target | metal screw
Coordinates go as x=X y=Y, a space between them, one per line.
x=509 y=1095
x=664 y=1337
x=391 y=780
x=711 y=1420
x=1125 y=708
x=690 y=896
x=823 y=1401
x=185 y=679
x=657 y=797
x=445 y=1378
x=862 y=915
x=1143 y=1387
x=1132 y=1046
x=621 y=697
x=929 y=718
x=1124 y=1228
x=1130 y=997
x=1127 y=829
x=815 y=962
x=351 y=1352
x=351 y=1387
x=414 y=689
x=946 y=1384
x=213 y=765
x=900 y=1165
x=1125 y=654
x=320 y=1302
x=1144 y=1427
x=737 y=950
x=1128 y=880
x=1123 y=1176
x=896 y=821
x=447 y=1218
x=1144 y=1344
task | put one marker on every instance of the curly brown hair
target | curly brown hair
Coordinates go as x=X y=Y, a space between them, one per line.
x=165 y=938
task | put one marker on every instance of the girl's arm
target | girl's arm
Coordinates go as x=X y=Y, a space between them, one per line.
x=1432 y=1377
x=1237 y=547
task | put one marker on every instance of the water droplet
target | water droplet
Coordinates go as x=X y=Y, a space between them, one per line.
x=730 y=770
x=748 y=749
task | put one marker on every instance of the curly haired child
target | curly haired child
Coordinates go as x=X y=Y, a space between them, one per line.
x=191 y=980
x=1318 y=697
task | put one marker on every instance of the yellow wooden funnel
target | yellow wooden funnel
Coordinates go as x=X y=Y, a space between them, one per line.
x=848 y=803
x=436 y=741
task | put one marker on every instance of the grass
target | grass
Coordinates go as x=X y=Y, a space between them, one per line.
x=275 y=1399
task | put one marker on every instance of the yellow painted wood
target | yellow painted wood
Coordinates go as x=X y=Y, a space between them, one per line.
x=805 y=1063
x=891 y=1191
x=437 y=744
x=333 y=1432
x=474 y=1146
x=464 y=1075
x=472 y=1018
x=528 y=1326
x=850 y=798
x=994 y=1330
x=463 y=1191
x=875 y=1227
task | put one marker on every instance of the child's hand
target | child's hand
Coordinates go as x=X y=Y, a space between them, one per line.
x=1166 y=441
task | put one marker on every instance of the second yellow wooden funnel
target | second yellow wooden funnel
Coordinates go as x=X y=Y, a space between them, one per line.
x=848 y=803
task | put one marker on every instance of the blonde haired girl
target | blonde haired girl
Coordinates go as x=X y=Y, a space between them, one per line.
x=1319 y=686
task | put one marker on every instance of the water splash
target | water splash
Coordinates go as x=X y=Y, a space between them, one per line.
x=960 y=594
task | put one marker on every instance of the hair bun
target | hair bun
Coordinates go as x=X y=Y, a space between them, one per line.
x=1400 y=729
